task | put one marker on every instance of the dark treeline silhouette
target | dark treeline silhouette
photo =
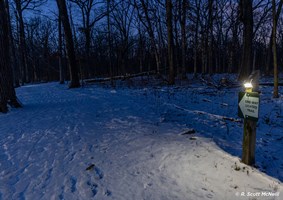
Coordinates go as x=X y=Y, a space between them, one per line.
x=114 y=37
x=118 y=37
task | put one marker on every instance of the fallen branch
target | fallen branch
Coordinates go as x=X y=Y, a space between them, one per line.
x=128 y=76
x=222 y=83
x=270 y=84
x=205 y=113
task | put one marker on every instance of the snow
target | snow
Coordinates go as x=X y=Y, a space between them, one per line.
x=146 y=142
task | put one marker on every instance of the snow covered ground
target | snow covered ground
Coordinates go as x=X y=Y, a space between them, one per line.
x=131 y=143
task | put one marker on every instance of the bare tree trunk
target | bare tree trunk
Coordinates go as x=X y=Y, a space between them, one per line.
x=205 y=53
x=140 y=48
x=184 y=37
x=109 y=40
x=234 y=47
x=46 y=55
x=269 y=59
x=196 y=36
x=170 y=41
x=149 y=28
x=162 y=55
x=61 y=71
x=15 y=62
x=176 y=50
x=22 y=43
x=270 y=48
x=246 y=14
x=74 y=77
x=7 y=91
x=196 y=50
x=274 y=49
x=210 y=37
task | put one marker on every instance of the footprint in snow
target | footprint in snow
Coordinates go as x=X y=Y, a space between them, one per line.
x=209 y=193
x=93 y=187
x=98 y=174
x=107 y=193
x=73 y=181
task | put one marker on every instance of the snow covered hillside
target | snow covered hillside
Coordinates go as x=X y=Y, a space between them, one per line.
x=153 y=143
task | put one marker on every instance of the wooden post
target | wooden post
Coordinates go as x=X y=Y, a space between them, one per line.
x=249 y=136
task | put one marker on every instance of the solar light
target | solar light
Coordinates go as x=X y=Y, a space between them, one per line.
x=248 y=86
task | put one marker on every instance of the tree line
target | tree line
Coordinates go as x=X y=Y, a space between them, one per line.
x=82 y=39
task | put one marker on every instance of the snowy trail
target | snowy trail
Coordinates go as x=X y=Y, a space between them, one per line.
x=99 y=143
x=210 y=111
x=49 y=138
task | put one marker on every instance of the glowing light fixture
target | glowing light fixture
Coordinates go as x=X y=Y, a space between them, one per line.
x=248 y=86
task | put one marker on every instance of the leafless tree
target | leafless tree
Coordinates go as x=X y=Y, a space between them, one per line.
x=91 y=11
x=14 y=60
x=122 y=16
x=246 y=16
x=7 y=91
x=73 y=68
x=20 y=7
x=60 y=49
x=275 y=16
x=169 y=7
x=146 y=17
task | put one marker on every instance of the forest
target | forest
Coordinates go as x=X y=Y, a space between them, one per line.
x=141 y=99
x=75 y=40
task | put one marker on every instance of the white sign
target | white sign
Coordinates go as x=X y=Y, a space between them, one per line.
x=249 y=105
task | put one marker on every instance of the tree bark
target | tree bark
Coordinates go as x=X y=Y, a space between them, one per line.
x=196 y=36
x=22 y=43
x=184 y=37
x=7 y=91
x=246 y=15
x=235 y=47
x=150 y=31
x=275 y=22
x=14 y=59
x=210 y=37
x=274 y=49
x=73 y=68
x=170 y=41
x=109 y=45
x=61 y=71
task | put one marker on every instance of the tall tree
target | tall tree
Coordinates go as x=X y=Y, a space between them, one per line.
x=275 y=16
x=210 y=36
x=269 y=49
x=109 y=38
x=21 y=6
x=184 y=36
x=170 y=42
x=197 y=9
x=7 y=91
x=246 y=16
x=14 y=60
x=73 y=68
x=60 y=44
x=143 y=10
x=122 y=23
x=233 y=46
x=89 y=19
